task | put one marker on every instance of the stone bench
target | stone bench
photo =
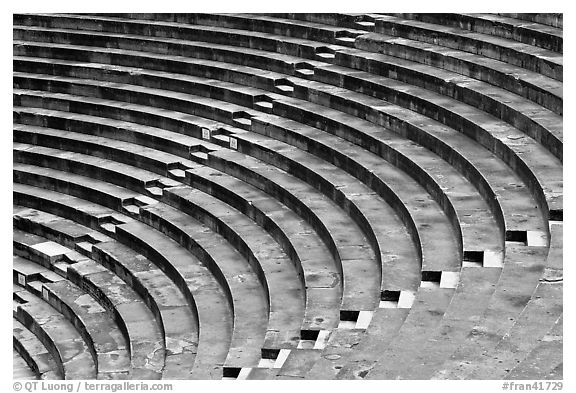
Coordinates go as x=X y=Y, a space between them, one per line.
x=34 y=352
x=277 y=273
x=138 y=156
x=248 y=296
x=538 y=60
x=213 y=335
x=549 y=19
x=296 y=236
x=535 y=34
x=351 y=246
x=138 y=324
x=129 y=312
x=104 y=169
x=545 y=361
x=69 y=350
x=66 y=232
x=539 y=315
x=546 y=128
x=99 y=330
x=171 y=309
x=117 y=175
x=87 y=213
x=534 y=86
x=523 y=267
x=215 y=317
x=543 y=90
x=107 y=194
x=21 y=369
x=163 y=297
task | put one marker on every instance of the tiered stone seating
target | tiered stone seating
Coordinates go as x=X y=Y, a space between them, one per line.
x=70 y=351
x=37 y=357
x=21 y=370
x=536 y=34
x=289 y=196
x=115 y=298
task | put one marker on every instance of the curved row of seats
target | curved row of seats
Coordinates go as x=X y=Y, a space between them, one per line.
x=287 y=196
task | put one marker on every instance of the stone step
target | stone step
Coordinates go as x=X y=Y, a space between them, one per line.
x=523 y=267
x=70 y=350
x=245 y=292
x=361 y=278
x=136 y=321
x=298 y=238
x=280 y=278
x=535 y=59
x=215 y=317
x=545 y=360
x=536 y=34
x=20 y=369
x=149 y=159
x=163 y=297
x=35 y=353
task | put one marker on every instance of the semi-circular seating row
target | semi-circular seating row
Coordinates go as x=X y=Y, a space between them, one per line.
x=554 y=211
x=316 y=209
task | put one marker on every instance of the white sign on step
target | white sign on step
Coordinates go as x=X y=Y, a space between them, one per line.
x=233 y=143
x=206 y=133
x=21 y=280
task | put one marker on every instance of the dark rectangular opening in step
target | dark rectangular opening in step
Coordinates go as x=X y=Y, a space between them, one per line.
x=270 y=353
x=474 y=256
x=310 y=335
x=431 y=276
x=347 y=315
x=390 y=296
x=231 y=372
x=517 y=236
x=556 y=215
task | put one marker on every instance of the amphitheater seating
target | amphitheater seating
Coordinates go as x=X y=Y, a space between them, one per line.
x=288 y=196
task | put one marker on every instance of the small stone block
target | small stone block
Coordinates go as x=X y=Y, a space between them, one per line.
x=21 y=280
x=45 y=295
x=406 y=299
x=266 y=363
x=449 y=279
x=233 y=143
x=536 y=239
x=493 y=259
